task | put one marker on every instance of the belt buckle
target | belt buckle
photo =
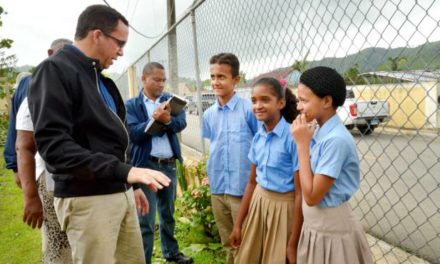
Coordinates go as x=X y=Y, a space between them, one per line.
x=161 y=161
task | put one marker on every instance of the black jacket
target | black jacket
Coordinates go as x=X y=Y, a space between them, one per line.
x=82 y=141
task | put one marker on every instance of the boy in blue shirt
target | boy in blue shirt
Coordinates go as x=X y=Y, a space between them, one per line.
x=229 y=125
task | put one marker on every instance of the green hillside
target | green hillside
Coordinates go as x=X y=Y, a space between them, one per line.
x=423 y=57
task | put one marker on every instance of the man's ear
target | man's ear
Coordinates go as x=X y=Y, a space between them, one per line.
x=49 y=52
x=95 y=34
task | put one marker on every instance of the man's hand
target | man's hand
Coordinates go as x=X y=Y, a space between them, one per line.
x=155 y=180
x=33 y=211
x=163 y=113
x=142 y=204
x=17 y=179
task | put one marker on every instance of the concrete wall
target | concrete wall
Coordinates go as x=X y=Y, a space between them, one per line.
x=412 y=105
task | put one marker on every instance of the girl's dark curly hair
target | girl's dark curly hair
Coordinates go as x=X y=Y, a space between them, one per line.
x=325 y=81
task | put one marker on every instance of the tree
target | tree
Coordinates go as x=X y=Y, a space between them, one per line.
x=352 y=76
x=7 y=64
x=394 y=64
x=206 y=84
x=242 y=82
x=7 y=76
x=301 y=65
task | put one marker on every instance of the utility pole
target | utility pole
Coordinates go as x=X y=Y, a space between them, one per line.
x=172 y=47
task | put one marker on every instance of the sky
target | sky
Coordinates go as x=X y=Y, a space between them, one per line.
x=265 y=35
x=33 y=25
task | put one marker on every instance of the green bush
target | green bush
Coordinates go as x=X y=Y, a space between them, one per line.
x=181 y=176
x=196 y=204
x=4 y=122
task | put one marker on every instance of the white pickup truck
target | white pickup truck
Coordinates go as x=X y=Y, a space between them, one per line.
x=365 y=115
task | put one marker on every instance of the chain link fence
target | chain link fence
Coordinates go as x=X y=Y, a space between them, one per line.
x=387 y=51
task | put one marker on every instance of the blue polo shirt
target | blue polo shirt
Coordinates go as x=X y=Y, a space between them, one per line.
x=230 y=130
x=106 y=96
x=103 y=90
x=333 y=153
x=276 y=157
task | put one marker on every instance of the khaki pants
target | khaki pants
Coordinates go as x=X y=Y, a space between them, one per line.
x=225 y=208
x=102 y=228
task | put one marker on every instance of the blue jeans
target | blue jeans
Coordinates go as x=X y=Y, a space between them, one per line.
x=163 y=200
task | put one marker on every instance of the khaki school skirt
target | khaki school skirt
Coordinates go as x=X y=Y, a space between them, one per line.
x=332 y=236
x=267 y=227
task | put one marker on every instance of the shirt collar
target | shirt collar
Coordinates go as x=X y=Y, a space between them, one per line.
x=230 y=104
x=146 y=99
x=79 y=53
x=327 y=127
x=278 y=129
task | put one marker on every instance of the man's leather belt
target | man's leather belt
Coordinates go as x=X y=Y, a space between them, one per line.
x=163 y=160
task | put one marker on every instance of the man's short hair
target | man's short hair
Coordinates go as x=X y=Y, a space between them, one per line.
x=100 y=17
x=149 y=67
x=325 y=81
x=228 y=59
x=59 y=43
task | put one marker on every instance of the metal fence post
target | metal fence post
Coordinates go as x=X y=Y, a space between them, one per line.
x=172 y=48
x=198 y=81
x=132 y=89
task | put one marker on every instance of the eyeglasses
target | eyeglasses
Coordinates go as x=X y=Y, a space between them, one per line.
x=120 y=43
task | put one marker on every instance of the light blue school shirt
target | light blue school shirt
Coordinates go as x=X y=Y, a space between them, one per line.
x=333 y=153
x=230 y=130
x=160 y=146
x=276 y=157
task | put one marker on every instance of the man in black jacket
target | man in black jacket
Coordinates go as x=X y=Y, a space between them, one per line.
x=79 y=122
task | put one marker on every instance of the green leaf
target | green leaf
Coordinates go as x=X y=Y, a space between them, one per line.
x=194 y=248
x=184 y=220
x=215 y=246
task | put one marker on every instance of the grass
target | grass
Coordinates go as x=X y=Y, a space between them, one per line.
x=18 y=242
x=22 y=244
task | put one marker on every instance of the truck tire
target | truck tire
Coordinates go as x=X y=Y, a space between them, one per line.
x=366 y=129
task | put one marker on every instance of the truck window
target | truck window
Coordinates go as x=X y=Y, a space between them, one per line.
x=350 y=94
